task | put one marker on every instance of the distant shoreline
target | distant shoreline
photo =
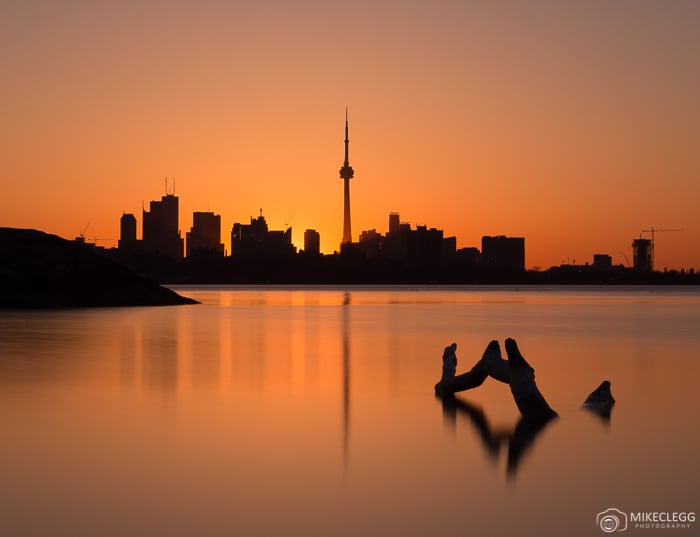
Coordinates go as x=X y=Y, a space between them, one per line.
x=354 y=269
x=75 y=273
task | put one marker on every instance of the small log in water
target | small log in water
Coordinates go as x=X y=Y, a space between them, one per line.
x=600 y=400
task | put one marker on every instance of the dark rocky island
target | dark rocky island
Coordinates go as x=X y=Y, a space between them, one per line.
x=38 y=270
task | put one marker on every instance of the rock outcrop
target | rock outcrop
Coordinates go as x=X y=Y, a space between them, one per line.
x=38 y=270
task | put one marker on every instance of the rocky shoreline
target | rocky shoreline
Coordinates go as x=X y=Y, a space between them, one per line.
x=39 y=270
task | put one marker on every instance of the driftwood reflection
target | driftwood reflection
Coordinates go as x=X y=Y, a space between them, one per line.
x=518 y=439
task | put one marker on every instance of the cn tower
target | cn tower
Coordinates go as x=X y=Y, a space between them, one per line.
x=346 y=173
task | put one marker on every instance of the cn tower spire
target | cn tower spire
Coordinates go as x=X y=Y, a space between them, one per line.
x=346 y=173
x=347 y=141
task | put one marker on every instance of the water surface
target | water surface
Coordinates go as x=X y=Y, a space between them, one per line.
x=294 y=411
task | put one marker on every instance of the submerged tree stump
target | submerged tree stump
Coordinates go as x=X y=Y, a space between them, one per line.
x=520 y=377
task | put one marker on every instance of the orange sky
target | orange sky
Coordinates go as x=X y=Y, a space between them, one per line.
x=575 y=126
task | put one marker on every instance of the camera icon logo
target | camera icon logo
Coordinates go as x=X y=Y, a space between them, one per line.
x=612 y=520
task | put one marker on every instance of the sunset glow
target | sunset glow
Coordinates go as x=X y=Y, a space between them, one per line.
x=574 y=125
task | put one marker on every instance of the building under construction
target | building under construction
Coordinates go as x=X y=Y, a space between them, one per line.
x=643 y=254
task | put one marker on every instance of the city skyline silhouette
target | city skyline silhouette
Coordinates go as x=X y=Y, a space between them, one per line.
x=423 y=247
x=567 y=125
x=426 y=253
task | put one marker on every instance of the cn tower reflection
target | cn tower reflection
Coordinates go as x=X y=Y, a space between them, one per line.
x=346 y=377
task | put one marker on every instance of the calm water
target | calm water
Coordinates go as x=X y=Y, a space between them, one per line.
x=311 y=412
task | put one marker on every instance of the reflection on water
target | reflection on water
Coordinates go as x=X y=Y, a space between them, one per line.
x=518 y=439
x=346 y=376
x=311 y=411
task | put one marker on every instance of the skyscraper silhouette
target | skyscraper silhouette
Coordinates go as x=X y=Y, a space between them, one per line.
x=127 y=238
x=205 y=234
x=160 y=228
x=346 y=173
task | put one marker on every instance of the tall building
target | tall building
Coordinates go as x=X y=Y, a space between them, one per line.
x=503 y=253
x=255 y=239
x=394 y=223
x=423 y=247
x=312 y=242
x=428 y=245
x=205 y=234
x=643 y=254
x=371 y=243
x=128 y=227
x=127 y=236
x=160 y=228
x=346 y=173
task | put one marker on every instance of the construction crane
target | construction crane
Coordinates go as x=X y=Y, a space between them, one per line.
x=289 y=220
x=653 y=230
x=81 y=238
x=626 y=259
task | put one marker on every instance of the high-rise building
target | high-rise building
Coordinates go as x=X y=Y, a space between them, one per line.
x=394 y=223
x=160 y=228
x=255 y=239
x=371 y=243
x=643 y=254
x=427 y=245
x=205 y=234
x=503 y=253
x=128 y=227
x=312 y=242
x=423 y=247
x=346 y=173
x=127 y=236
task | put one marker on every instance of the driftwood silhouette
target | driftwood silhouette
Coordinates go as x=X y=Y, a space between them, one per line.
x=600 y=400
x=515 y=372
x=520 y=377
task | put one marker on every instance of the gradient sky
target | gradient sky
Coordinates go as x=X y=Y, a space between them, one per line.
x=573 y=124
